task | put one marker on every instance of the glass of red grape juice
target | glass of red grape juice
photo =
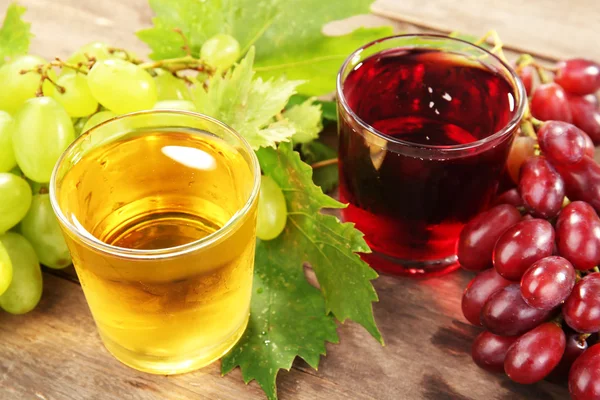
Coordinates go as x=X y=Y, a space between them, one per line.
x=425 y=126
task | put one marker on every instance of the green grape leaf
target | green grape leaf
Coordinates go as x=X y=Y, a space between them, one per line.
x=248 y=105
x=317 y=61
x=288 y=34
x=299 y=23
x=15 y=33
x=246 y=20
x=328 y=107
x=287 y=319
x=286 y=311
x=306 y=119
x=197 y=20
x=328 y=245
x=327 y=176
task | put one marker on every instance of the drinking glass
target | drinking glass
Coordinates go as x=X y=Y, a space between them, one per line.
x=425 y=126
x=158 y=209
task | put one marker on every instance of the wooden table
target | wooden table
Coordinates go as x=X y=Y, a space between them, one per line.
x=54 y=352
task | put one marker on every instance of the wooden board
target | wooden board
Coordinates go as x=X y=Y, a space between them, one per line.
x=54 y=353
x=552 y=28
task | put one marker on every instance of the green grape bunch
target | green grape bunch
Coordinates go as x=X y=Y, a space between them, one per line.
x=47 y=105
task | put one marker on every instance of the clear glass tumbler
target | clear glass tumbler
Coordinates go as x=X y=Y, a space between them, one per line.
x=425 y=126
x=158 y=209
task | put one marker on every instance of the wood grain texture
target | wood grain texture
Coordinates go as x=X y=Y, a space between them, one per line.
x=54 y=353
x=552 y=28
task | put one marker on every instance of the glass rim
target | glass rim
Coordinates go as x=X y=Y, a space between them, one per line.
x=168 y=252
x=509 y=127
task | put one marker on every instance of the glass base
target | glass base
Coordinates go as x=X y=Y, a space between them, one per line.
x=173 y=365
x=411 y=268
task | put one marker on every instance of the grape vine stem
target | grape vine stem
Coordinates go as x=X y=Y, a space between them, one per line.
x=497 y=49
x=324 y=163
x=179 y=64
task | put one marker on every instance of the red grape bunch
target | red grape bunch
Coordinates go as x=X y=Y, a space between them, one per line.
x=538 y=249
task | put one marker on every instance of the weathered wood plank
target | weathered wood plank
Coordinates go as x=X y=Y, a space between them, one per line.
x=54 y=353
x=554 y=29
x=428 y=349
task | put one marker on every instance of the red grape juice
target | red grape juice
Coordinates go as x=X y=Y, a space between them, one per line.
x=409 y=199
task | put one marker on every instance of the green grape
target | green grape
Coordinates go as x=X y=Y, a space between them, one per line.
x=272 y=210
x=6 y=269
x=17 y=87
x=77 y=98
x=37 y=188
x=220 y=51
x=121 y=86
x=15 y=199
x=185 y=105
x=170 y=88
x=42 y=131
x=25 y=289
x=95 y=49
x=97 y=119
x=40 y=226
x=7 y=155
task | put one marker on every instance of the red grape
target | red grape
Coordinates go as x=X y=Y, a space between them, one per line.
x=582 y=308
x=478 y=237
x=549 y=102
x=578 y=235
x=574 y=348
x=535 y=354
x=585 y=115
x=478 y=291
x=578 y=76
x=561 y=142
x=489 y=350
x=526 y=75
x=541 y=187
x=591 y=99
x=548 y=282
x=521 y=245
x=584 y=378
x=590 y=148
x=511 y=197
x=582 y=181
x=522 y=148
x=506 y=313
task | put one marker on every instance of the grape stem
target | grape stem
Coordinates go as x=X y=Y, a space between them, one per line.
x=596 y=269
x=186 y=44
x=543 y=73
x=582 y=338
x=497 y=49
x=128 y=56
x=527 y=129
x=324 y=163
x=535 y=122
x=179 y=64
x=76 y=67
x=43 y=69
x=558 y=320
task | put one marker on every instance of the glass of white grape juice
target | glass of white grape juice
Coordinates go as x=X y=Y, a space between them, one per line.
x=159 y=212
